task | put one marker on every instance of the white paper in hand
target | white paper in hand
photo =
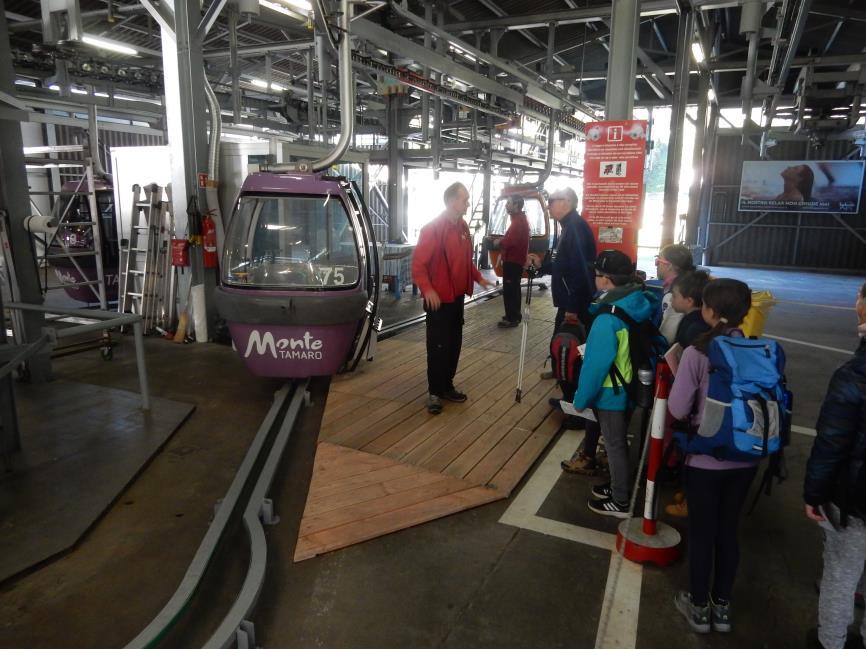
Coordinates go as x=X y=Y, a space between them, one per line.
x=569 y=409
x=673 y=356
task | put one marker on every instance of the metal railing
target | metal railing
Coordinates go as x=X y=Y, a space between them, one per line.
x=265 y=451
x=104 y=320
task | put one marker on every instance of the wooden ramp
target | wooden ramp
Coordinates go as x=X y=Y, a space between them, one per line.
x=384 y=463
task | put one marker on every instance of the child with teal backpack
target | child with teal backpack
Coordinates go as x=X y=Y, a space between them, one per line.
x=608 y=375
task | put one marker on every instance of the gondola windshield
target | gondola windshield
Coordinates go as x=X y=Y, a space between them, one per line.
x=300 y=242
x=499 y=220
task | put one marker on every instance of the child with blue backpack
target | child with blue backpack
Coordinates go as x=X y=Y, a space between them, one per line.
x=716 y=488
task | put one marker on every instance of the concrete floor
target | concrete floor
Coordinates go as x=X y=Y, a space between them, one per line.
x=464 y=581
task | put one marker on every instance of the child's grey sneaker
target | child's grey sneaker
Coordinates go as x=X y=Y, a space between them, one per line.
x=698 y=617
x=721 y=616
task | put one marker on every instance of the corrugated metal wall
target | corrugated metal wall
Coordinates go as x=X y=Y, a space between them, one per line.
x=107 y=140
x=794 y=240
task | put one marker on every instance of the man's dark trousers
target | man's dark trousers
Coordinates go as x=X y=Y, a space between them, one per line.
x=511 y=276
x=444 y=340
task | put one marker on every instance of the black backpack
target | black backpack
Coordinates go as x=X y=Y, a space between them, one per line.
x=566 y=358
x=646 y=345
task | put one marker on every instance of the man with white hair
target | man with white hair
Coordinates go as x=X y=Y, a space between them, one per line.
x=573 y=279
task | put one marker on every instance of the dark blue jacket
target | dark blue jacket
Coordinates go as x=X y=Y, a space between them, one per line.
x=572 y=277
x=835 y=471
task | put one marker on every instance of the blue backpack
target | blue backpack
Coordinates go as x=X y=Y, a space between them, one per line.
x=747 y=414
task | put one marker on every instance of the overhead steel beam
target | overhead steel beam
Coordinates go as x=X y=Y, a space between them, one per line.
x=525 y=33
x=787 y=63
x=536 y=88
x=162 y=14
x=563 y=17
x=726 y=66
x=212 y=13
x=835 y=11
x=391 y=42
x=650 y=64
x=36 y=24
x=567 y=46
x=259 y=50
x=660 y=36
x=429 y=86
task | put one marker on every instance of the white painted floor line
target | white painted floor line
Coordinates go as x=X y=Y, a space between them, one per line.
x=820 y=306
x=617 y=628
x=539 y=485
x=807 y=344
x=802 y=430
x=567 y=531
x=619 y=614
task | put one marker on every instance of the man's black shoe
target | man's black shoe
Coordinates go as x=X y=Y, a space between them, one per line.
x=554 y=402
x=454 y=395
x=507 y=324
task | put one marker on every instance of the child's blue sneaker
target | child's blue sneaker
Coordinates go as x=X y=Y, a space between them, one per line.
x=721 y=616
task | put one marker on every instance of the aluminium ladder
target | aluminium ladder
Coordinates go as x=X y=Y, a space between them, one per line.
x=144 y=270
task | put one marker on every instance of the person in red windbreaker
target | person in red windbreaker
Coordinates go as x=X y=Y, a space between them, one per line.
x=442 y=268
x=513 y=247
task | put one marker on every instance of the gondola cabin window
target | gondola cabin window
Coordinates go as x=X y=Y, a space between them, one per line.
x=534 y=215
x=300 y=242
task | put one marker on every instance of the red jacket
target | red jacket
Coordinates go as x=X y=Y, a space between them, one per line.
x=443 y=259
x=515 y=244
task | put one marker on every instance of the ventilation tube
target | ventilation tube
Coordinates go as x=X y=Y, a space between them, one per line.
x=347 y=101
x=93 y=139
x=213 y=164
x=548 y=166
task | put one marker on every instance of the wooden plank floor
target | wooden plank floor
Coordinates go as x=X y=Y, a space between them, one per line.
x=384 y=463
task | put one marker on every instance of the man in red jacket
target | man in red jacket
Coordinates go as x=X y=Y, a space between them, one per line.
x=442 y=268
x=514 y=247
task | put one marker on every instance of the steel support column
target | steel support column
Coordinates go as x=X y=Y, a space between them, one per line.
x=396 y=214
x=708 y=174
x=622 y=58
x=186 y=128
x=697 y=162
x=425 y=98
x=486 y=199
x=234 y=64
x=311 y=97
x=14 y=208
x=678 y=115
x=16 y=203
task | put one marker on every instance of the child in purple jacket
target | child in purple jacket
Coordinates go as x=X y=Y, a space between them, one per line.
x=716 y=489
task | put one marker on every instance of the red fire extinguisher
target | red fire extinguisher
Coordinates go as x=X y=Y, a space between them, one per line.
x=209 y=241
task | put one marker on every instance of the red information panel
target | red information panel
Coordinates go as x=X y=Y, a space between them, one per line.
x=613 y=183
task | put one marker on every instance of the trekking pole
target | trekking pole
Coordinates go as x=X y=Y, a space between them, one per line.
x=530 y=272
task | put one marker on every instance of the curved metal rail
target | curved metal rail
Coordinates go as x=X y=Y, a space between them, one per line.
x=265 y=447
x=397 y=327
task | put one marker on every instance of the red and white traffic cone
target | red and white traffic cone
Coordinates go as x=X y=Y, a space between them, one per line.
x=652 y=541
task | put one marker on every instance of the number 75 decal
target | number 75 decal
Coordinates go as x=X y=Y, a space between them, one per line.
x=337 y=271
